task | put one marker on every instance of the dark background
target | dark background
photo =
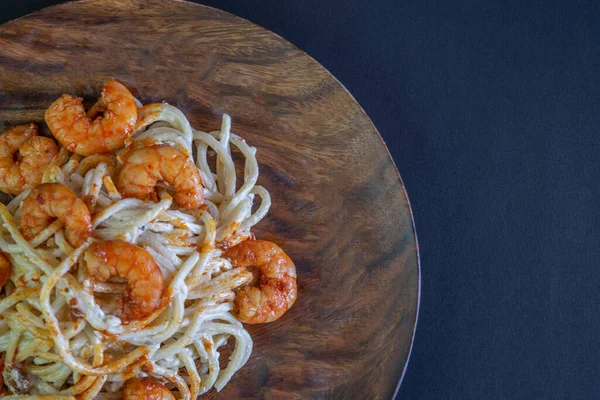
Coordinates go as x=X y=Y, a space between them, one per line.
x=491 y=110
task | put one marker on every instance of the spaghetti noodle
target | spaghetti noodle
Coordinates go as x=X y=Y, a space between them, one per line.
x=60 y=337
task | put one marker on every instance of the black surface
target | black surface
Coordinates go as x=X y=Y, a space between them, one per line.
x=491 y=112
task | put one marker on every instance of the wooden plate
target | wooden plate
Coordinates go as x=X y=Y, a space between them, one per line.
x=339 y=207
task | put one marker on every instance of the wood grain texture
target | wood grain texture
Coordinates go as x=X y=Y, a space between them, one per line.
x=339 y=208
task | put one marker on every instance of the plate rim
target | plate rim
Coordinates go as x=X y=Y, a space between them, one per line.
x=351 y=96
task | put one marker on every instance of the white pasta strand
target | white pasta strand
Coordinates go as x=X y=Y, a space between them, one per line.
x=56 y=322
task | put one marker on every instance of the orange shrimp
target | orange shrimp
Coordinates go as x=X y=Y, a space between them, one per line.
x=276 y=290
x=50 y=201
x=91 y=134
x=5 y=268
x=24 y=157
x=145 y=167
x=126 y=260
x=146 y=389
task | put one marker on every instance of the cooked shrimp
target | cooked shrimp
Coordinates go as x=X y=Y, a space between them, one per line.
x=24 y=157
x=146 y=389
x=50 y=201
x=126 y=260
x=145 y=167
x=5 y=268
x=91 y=134
x=276 y=290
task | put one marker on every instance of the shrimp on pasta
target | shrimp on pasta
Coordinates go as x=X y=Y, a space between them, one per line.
x=103 y=129
x=50 y=201
x=24 y=156
x=276 y=290
x=146 y=167
x=128 y=265
x=146 y=389
x=136 y=265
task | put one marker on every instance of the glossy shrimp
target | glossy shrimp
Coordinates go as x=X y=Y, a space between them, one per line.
x=23 y=157
x=5 y=269
x=50 y=201
x=92 y=133
x=126 y=260
x=146 y=389
x=276 y=290
x=146 y=167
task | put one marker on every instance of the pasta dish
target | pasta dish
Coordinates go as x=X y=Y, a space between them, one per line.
x=128 y=263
